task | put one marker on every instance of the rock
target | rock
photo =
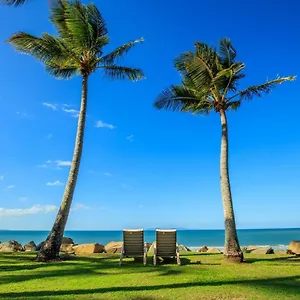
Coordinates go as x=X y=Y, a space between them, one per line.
x=151 y=249
x=213 y=250
x=88 y=248
x=67 y=240
x=31 y=246
x=113 y=247
x=67 y=248
x=280 y=252
x=39 y=246
x=183 y=248
x=259 y=250
x=294 y=247
x=203 y=249
x=11 y=246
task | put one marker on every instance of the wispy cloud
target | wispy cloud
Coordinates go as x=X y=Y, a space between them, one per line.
x=107 y=174
x=22 y=199
x=49 y=136
x=125 y=186
x=36 y=209
x=63 y=163
x=73 y=112
x=50 y=105
x=101 y=124
x=1 y=177
x=54 y=183
x=130 y=138
x=55 y=164
x=11 y=186
x=22 y=114
x=79 y=206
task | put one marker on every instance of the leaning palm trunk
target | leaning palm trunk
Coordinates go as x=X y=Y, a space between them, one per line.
x=232 y=250
x=50 y=250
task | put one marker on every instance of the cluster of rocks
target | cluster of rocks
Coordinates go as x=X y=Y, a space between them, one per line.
x=68 y=246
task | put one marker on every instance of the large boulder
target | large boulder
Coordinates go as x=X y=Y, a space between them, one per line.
x=294 y=248
x=259 y=250
x=67 y=248
x=88 y=248
x=114 y=247
x=213 y=251
x=203 y=249
x=67 y=240
x=11 y=246
x=183 y=248
x=31 y=246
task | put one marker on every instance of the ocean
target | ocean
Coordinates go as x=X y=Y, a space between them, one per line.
x=194 y=239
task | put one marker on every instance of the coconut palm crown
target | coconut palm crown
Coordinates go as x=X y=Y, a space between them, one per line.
x=210 y=81
x=77 y=50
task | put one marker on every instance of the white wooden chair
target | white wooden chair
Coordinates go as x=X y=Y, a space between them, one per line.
x=133 y=245
x=166 y=245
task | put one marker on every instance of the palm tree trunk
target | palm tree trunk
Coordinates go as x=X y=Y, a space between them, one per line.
x=51 y=247
x=232 y=250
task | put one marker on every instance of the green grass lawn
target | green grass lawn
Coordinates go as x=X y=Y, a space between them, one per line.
x=202 y=276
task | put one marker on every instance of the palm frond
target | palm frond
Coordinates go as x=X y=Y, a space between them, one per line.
x=81 y=25
x=13 y=2
x=227 y=52
x=46 y=48
x=259 y=90
x=118 y=53
x=183 y=99
x=233 y=105
x=61 y=72
x=120 y=72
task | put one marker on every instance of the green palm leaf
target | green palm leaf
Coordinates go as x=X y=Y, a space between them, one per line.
x=118 y=53
x=120 y=72
x=259 y=90
x=12 y=2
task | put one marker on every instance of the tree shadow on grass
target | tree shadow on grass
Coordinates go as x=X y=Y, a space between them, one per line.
x=290 y=260
x=286 y=285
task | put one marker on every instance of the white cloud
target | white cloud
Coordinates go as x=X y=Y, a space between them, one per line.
x=23 y=199
x=36 y=209
x=1 y=177
x=107 y=174
x=100 y=124
x=79 y=206
x=22 y=114
x=130 y=138
x=125 y=186
x=11 y=186
x=54 y=183
x=63 y=163
x=49 y=136
x=73 y=112
x=43 y=166
x=49 y=105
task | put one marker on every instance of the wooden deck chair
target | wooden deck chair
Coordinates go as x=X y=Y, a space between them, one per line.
x=166 y=245
x=133 y=245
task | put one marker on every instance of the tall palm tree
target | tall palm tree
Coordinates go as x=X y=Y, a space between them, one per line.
x=210 y=83
x=78 y=50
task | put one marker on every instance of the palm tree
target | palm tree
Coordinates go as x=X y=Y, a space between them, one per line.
x=77 y=51
x=210 y=83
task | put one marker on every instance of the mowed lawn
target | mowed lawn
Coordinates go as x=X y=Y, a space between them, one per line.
x=202 y=276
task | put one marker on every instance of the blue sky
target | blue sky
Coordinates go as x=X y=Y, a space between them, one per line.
x=150 y=168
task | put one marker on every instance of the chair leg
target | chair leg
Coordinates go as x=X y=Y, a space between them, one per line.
x=154 y=260
x=145 y=259
x=178 y=259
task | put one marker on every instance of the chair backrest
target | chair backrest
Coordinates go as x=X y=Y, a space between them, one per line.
x=166 y=242
x=133 y=242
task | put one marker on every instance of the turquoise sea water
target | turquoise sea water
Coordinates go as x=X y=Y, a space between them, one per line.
x=278 y=238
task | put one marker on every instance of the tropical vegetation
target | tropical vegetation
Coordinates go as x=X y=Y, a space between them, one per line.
x=78 y=50
x=209 y=84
